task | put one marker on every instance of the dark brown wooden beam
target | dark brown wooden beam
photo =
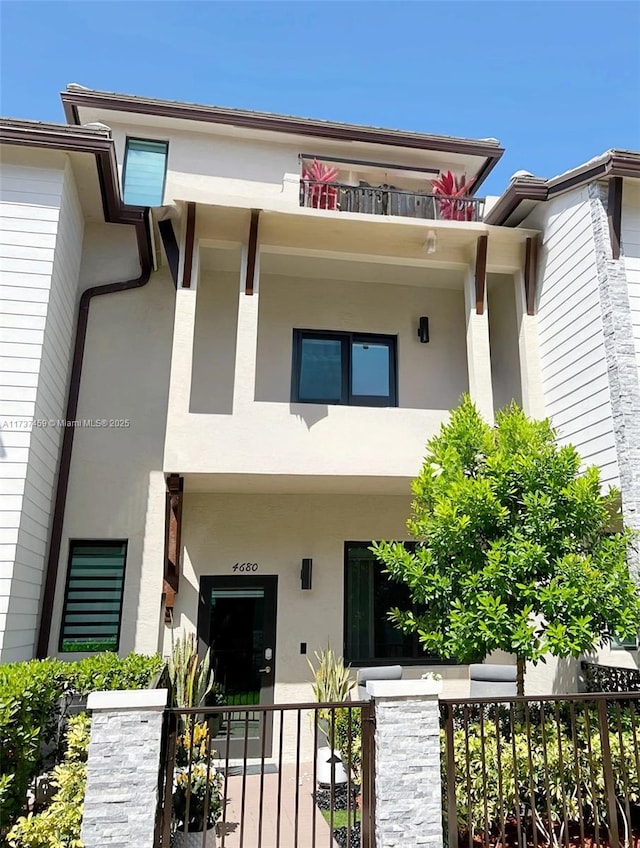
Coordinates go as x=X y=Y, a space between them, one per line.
x=530 y=274
x=171 y=249
x=252 y=251
x=481 y=272
x=172 y=542
x=614 y=213
x=189 y=240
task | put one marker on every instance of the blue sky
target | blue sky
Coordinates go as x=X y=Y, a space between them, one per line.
x=556 y=82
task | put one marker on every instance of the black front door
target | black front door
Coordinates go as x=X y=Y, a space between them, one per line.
x=237 y=621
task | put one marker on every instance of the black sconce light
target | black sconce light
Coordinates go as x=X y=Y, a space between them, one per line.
x=423 y=329
x=305 y=574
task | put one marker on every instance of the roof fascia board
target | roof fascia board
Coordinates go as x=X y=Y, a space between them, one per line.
x=518 y=190
x=276 y=123
x=78 y=140
x=614 y=163
x=483 y=173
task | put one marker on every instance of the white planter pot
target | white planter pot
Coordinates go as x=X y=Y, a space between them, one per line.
x=325 y=770
x=194 y=840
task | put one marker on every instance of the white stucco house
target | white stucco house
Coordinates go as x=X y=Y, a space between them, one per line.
x=219 y=369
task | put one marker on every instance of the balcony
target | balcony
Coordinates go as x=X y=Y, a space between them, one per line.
x=389 y=201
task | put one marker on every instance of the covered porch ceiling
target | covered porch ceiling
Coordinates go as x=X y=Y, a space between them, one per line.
x=296 y=484
x=366 y=239
x=319 y=265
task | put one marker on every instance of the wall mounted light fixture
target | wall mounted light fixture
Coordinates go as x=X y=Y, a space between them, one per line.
x=305 y=574
x=423 y=329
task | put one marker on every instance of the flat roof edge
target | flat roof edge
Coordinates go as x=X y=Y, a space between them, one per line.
x=73 y=98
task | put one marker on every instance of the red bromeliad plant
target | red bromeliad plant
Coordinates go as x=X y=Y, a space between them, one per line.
x=451 y=188
x=320 y=196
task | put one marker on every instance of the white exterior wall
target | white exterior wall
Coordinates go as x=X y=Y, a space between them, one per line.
x=277 y=531
x=40 y=244
x=430 y=376
x=116 y=486
x=255 y=383
x=571 y=336
x=227 y=162
x=631 y=252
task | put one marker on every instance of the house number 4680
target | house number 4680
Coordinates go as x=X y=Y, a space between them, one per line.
x=245 y=566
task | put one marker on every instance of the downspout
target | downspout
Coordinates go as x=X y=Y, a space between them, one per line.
x=143 y=236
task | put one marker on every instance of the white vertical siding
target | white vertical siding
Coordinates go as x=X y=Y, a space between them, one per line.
x=574 y=367
x=41 y=229
x=631 y=251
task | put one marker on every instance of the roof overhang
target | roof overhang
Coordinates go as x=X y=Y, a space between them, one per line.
x=486 y=152
x=81 y=145
x=525 y=191
x=95 y=141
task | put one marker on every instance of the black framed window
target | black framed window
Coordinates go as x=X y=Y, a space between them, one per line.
x=629 y=644
x=356 y=369
x=93 y=596
x=145 y=170
x=369 y=637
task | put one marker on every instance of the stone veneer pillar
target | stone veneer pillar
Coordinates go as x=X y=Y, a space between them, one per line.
x=622 y=364
x=121 y=798
x=407 y=763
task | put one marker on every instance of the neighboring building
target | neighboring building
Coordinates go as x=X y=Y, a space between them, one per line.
x=588 y=306
x=252 y=382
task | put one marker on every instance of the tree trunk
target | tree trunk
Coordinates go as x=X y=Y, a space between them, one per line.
x=520 y=675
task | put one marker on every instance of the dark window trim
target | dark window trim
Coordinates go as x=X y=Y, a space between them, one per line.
x=424 y=660
x=616 y=645
x=129 y=138
x=95 y=543
x=347 y=339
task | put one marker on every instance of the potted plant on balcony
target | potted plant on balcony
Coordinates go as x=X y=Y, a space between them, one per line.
x=318 y=192
x=197 y=792
x=453 y=197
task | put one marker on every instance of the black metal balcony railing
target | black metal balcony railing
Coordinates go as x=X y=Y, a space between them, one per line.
x=381 y=200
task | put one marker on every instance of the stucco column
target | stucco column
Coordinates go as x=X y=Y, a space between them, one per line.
x=529 y=353
x=180 y=375
x=149 y=630
x=121 y=798
x=407 y=763
x=478 y=351
x=244 y=382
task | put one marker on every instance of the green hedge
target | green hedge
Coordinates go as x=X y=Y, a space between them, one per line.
x=29 y=694
x=59 y=824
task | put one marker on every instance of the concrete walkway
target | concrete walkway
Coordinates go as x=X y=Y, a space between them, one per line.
x=290 y=836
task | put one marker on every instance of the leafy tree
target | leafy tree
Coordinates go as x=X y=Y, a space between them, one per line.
x=515 y=550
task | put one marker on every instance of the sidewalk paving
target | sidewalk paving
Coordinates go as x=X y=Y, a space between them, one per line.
x=290 y=836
